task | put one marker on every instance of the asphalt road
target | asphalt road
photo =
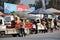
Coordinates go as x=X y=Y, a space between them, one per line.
x=40 y=36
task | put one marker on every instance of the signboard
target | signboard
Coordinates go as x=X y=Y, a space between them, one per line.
x=8 y=8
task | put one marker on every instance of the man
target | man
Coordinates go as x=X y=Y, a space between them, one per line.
x=55 y=24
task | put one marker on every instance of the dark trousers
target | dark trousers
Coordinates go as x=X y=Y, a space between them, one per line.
x=33 y=31
x=36 y=29
x=22 y=32
x=55 y=27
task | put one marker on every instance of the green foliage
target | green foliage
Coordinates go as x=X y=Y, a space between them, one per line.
x=14 y=13
x=54 y=4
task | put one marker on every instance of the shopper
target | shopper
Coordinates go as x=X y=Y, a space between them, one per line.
x=55 y=24
x=28 y=26
x=34 y=27
x=17 y=23
x=52 y=25
x=22 y=28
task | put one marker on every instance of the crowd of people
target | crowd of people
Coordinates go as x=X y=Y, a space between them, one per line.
x=25 y=26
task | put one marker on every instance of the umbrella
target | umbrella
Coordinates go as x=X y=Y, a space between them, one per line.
x=53 y=10
x=40 y=11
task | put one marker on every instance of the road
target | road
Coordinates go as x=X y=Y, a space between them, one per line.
x=40 y=36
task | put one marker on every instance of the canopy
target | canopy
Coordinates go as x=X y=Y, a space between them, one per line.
x=40 y=11
x=52 y=10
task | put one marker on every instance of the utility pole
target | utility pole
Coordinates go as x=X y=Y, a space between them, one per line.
x=43 y=4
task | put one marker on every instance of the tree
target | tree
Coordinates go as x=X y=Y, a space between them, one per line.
x=30 y=5
x=14 y=1
x=54 y=4
x=38 y=4
x=51 y=4
x=17 y=1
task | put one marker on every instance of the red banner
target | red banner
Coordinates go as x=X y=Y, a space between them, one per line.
x=21 y=7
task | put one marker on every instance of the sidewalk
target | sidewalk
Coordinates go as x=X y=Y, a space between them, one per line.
x=41 y=34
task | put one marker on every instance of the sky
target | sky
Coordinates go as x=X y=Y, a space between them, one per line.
x=26 y=2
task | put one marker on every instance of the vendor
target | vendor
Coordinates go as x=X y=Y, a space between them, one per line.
x=17 y=22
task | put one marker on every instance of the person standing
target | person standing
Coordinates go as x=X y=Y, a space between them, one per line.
x=17 y=23
x=55 y=24
x=33 y=28
x=47 y=26
x=52 y=25
x=36 y=29
x=22 y=28
x=28 y=26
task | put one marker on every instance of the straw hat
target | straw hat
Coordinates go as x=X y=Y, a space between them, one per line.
x=1 y=13
x=27 y=20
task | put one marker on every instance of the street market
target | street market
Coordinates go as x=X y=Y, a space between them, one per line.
x=20 y=20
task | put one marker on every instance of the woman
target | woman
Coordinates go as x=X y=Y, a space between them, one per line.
x=52 y=25
x=28 y=26
x=44 y=25
x=17 y=23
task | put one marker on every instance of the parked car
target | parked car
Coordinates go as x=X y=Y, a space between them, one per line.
x=8 y=20
x=2 y=26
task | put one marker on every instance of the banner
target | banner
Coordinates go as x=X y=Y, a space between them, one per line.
x=21 y=7
x=8 y=8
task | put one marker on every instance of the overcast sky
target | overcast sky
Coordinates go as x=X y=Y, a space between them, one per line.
x=26 y=2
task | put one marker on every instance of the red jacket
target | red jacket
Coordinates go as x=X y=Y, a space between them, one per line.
x=28 y=25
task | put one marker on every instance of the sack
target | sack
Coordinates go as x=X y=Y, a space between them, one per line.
x=46 y=28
